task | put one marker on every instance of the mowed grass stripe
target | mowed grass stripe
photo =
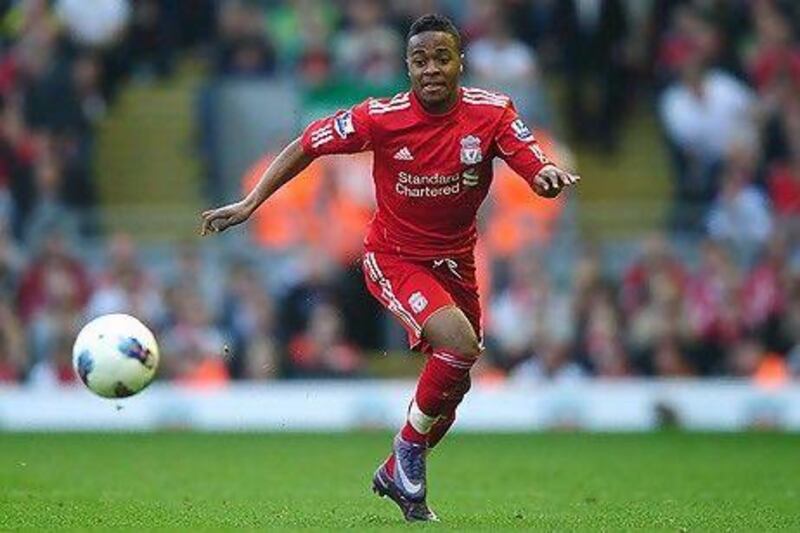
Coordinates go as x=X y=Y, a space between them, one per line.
x=660 y=481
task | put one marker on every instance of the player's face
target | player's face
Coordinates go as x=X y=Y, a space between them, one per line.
x=434 y=66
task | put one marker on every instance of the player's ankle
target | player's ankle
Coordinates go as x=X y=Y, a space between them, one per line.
x=409 y=434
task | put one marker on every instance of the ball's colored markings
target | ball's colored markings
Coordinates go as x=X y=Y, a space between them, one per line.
x=121 y=391
x=132 y=348
x=85 y=366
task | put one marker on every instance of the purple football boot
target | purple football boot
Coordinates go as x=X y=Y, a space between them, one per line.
x=407 y=487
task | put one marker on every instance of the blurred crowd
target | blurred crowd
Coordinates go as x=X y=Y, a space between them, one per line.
x=722 y=76
x=730 y=107
x=662 y=316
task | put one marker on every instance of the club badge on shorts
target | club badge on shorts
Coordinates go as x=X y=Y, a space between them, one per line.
x=471 y=150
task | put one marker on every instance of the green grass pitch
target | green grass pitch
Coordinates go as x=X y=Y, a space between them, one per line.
x=553 y=482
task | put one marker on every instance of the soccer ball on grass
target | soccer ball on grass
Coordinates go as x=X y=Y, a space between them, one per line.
x=115 y=356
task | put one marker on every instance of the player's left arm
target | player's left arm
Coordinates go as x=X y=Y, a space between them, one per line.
x=518 y=147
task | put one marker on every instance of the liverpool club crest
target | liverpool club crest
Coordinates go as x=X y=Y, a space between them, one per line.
x=471 y=150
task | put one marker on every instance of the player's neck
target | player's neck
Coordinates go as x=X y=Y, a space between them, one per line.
x=443 y=107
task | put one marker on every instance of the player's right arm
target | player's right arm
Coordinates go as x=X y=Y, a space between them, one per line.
x=344 y=132
x=289 y=163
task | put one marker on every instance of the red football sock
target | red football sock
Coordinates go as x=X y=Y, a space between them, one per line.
x=446 y=419
x=440 y=428
x=441 y=382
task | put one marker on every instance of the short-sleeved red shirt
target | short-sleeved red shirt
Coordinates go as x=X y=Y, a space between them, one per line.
x=431 y=172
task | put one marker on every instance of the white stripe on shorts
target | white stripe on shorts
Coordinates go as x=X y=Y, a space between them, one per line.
x=387 y=292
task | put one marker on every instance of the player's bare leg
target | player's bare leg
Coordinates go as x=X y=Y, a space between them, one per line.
x=441 y=386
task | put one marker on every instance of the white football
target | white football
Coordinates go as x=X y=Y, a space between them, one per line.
x=115 y=356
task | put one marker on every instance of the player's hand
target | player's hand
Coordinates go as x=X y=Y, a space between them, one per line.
x=551 y=179
x=222 y=218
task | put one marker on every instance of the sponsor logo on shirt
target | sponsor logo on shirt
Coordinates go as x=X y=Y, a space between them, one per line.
x=521 y=131
x=343 y=124
x=420 y=186
x=471 y=150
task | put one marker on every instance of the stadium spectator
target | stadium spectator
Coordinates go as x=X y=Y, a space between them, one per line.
x=712 y=308
x=53 y=273
x=13 y=353
x=12 y=261
x=87 y=76
x=54 y=292
x=656 y=272
x=651 y=298
x=773 y=66
x=784 y=179
x=321 y=350
x=152 y=41
x=553 y=364
x=745 y=357
x=125 y=287
x=301 y=30
x=248 y=319
x=18 y=149
x=669 y=360
x=528 y=317
x=764 y=294
x=315 y=283
x=679 y=29
x=592 y=35
x=49 y=209
x=790 y=324
x=741 y=212
x=774 y=59
x=368 y=49
x=190 y=272
x=497 y=58
x=702 y=114
x=599 y=341
x=499 y=61
x=95 y=24
x=243 y=47
x=194 y=349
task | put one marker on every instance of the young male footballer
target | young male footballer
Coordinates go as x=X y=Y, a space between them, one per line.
x=433 y=149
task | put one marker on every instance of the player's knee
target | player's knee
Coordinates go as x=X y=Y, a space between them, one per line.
x=468 y=346
x=450 y=330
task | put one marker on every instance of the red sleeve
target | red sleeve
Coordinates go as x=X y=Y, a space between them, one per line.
x=517 y=146
x=344 y=132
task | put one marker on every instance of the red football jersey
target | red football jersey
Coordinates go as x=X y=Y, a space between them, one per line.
x=432 y=172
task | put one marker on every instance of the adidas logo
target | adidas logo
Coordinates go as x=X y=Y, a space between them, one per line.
x=404 y=154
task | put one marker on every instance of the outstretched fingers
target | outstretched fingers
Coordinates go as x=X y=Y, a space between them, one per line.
x=555 y=178
x=213 y=221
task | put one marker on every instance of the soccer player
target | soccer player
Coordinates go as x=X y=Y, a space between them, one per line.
x=433 y=148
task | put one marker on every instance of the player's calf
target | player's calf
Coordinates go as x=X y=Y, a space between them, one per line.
x=446 y=420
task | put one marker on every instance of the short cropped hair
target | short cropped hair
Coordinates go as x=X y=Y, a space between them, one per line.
x=434 y=22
